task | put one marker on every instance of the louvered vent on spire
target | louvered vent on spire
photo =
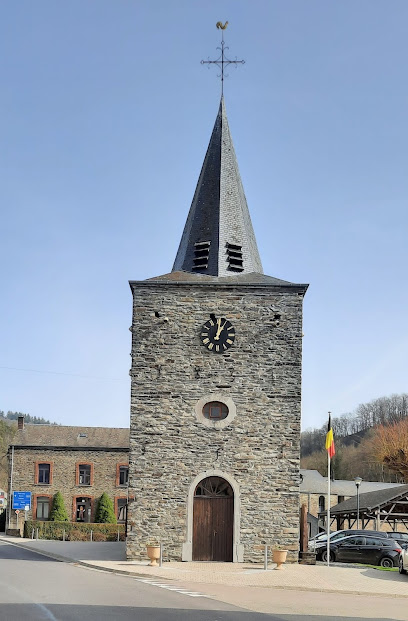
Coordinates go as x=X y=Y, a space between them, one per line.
x=218 y=237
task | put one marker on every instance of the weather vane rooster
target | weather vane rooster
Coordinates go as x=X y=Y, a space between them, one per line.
x=222 y=61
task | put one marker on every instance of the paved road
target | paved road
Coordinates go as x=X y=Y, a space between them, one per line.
x=36 y=588
x=292 y=605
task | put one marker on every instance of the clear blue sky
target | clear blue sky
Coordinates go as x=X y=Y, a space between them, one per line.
x=105 y=117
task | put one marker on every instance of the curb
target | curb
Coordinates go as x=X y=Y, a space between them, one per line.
x=136 y=575
x=72 y=561
x=56 y=557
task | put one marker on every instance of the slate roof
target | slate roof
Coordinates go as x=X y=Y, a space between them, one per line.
x=371 y=500
x=219 y=212
x=314 y=483
x=252 y=278
x=67 y=436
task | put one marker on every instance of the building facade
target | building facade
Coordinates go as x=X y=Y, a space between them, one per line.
x=80 y=462
x=313 y=493
x=216 y=386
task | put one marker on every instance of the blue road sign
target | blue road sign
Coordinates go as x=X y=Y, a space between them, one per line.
x=22 y=500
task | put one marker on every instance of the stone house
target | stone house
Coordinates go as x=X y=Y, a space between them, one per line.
x=79 y=462
x=313 y=493
x=215 y=386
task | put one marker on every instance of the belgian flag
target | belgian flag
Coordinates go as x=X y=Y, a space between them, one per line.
x=330 y=440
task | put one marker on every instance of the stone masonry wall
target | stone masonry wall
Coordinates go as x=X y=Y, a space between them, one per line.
x=63 y=466
x=169 y=447
x=312 y=501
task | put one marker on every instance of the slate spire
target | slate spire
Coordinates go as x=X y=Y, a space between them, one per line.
x=218 y=238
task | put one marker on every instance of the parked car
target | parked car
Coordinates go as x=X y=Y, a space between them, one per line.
x=321 y=537
x=358 y=549
x=339 y=534
x=401 y=538
x=403 y=559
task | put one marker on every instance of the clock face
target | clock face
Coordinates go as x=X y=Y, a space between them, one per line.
x=217 y=335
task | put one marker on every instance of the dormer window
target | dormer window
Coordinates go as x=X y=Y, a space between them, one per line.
x=201 y=254
x=234 y=257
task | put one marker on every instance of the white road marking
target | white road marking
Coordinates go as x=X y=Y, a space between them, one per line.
x=168 y=587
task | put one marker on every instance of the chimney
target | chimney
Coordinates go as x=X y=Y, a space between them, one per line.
x=20 y=423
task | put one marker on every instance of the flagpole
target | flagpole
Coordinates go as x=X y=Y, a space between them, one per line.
x=328 y=509
x=328 y=503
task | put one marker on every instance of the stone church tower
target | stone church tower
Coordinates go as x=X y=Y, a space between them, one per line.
x=216 y=386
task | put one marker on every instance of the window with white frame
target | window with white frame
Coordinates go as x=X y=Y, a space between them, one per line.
x=122 y=510
x=84 y=474
x=43 y=508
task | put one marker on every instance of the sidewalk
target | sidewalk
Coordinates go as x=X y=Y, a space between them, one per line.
x=315 y=578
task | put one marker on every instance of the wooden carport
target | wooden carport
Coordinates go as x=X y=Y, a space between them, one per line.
x=385 y=507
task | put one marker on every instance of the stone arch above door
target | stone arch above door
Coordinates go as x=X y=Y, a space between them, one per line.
x=238 y=548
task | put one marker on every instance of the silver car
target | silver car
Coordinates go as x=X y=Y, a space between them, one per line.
x=403 y=560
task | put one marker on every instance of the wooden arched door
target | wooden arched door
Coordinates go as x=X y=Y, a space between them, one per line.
x=213 y=520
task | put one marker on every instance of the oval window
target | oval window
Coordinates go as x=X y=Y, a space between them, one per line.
x=215 y=410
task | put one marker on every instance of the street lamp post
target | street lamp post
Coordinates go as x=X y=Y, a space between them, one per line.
x=358 y=481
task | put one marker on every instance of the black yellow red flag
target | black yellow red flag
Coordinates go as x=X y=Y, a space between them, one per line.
x=330 y=440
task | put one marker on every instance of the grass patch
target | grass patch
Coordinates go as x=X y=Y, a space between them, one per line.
x=378 y=567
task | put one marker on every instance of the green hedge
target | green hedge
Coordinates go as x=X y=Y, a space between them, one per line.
x=77 y=531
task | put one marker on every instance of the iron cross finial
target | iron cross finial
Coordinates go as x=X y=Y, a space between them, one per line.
x=222 y=61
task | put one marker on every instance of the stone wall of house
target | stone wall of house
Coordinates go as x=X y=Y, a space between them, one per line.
x=170 y=446
x=312 y=501
x=64 y=476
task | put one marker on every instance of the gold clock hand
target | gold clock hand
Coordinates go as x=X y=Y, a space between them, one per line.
x=217 y=336
x=220 y=329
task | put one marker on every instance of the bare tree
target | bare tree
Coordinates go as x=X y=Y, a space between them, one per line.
x=390 y=445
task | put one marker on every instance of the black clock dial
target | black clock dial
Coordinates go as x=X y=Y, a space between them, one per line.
x=217 y=335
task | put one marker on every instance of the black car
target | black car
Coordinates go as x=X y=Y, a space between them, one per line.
x=358 y=549
x=401 y=538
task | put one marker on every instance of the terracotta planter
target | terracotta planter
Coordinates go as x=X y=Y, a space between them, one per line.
x=279 y=557
x=153 y=552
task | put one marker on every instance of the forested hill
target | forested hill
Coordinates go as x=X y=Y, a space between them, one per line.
x=36 y=420
x=353 y=435
x=351 y=428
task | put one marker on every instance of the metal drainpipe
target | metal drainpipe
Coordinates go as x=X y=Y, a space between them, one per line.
x=127 y=506
x=11 y=485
